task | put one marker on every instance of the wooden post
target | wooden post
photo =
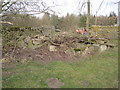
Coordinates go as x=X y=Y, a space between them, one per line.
x=1 y=31
x=96 y=20
x=119 y=13
x=1 y=45
x=88 y=15
x=52 y=33
x=119 y=25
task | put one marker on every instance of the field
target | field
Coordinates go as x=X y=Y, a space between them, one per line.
x=98 y=70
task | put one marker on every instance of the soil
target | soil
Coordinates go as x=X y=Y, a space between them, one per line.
x=43 y=54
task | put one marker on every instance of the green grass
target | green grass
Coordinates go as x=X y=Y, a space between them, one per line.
x=99 y=71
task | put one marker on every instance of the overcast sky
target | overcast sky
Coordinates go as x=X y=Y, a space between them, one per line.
x=73 y=6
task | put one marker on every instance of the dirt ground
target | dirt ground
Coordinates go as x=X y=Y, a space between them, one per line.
x=43 y=53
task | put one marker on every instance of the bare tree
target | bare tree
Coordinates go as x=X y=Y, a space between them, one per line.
x=26 y=7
